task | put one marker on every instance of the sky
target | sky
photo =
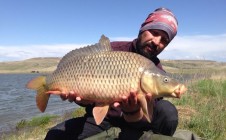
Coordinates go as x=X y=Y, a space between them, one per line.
x=51 y=28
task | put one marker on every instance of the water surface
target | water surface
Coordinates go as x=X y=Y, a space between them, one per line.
x=18 y=103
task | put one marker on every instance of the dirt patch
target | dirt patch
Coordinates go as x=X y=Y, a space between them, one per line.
x=186 y=112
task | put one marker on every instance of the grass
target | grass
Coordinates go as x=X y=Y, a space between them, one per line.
x=202 y=110
x=36 y=121
x=37 y=127
x=42 y=65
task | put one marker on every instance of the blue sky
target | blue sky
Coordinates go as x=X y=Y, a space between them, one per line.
x=51 y=28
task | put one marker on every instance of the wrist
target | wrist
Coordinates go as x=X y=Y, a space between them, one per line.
x=130 y=112
x=133 y=116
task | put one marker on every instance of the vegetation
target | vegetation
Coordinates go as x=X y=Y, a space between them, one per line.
x=37 y=127
x=27 y=66
x=201 y=110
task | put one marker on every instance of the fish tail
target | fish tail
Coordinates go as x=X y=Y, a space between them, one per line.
x=42 y=97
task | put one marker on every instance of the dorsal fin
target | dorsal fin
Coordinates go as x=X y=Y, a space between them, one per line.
x=102 y=46
x=105 y=43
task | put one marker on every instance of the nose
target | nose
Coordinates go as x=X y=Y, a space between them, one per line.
x=157 y=40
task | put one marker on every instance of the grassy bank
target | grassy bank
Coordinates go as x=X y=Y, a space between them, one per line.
x=37 y=127
x=201 y=110
x=48 y=64
x=40 y=65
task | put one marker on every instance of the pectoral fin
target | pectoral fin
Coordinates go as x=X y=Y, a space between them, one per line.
x=99 y=113
x=150 y=108
x=143 y=103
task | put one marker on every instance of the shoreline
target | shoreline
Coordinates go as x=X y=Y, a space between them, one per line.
x=56 y=118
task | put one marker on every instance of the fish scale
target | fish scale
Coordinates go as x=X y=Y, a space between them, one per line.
x=106 y=79
x=103 y=76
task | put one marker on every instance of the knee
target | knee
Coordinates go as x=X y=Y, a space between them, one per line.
x=165 y=119
x=55 y=135
x=166 y=110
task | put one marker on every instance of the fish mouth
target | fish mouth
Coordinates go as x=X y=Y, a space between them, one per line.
x=180 y=89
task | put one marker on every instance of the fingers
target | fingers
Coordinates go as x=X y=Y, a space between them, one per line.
x=130 y=103
x=116 y=104
x=63 y=96
x=78 y=99
x=72 y=96
x=149 y=97
x=124 y=100
x=132 y=99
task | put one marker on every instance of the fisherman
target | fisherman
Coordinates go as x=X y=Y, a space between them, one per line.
x=155 y=34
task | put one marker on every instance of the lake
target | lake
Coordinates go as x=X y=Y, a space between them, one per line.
x=18 y=103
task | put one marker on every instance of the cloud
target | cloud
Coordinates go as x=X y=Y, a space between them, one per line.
x=201 y=47
x=15 y=53
x=204 y=47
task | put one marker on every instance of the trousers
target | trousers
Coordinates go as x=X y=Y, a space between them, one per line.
x=165 y=121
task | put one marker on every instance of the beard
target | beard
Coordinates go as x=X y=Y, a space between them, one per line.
x=147 y=49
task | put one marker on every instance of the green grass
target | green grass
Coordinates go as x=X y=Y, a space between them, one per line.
x=47 y=64
x=203 y=110
x=34 y=122
x=37 y=127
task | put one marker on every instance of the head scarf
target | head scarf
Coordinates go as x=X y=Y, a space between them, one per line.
x=162 y=19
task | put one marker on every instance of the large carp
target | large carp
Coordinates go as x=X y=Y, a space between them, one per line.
x=98 y=74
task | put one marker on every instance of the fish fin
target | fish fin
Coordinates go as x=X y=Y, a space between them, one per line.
x=143 y=103
x=104 y=43
x=103 y=46
x=36 y=82
x=99 y=113
x=150 y=108
x=42 y=97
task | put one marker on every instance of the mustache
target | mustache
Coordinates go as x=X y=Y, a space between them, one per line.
x=150 y=44
x=141 y=49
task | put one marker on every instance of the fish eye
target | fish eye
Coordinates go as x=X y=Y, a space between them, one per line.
x=166 y=79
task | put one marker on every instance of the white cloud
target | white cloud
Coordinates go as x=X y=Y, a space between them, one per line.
x=204 y=47
x=15 y=53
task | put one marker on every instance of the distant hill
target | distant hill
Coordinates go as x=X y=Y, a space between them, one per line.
x=40 y=64
x=49 y=64
x=193 y=66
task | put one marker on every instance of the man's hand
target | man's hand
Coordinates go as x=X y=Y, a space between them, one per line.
x=73 y=97
x=131 y=103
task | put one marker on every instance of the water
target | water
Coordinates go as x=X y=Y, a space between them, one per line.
x=18 y=103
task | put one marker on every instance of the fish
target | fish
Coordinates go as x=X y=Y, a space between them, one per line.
x=99 y=74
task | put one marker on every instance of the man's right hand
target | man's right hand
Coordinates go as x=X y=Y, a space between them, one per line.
x=73 y=97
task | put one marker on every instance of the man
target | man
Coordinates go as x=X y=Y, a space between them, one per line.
x=155 y=34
